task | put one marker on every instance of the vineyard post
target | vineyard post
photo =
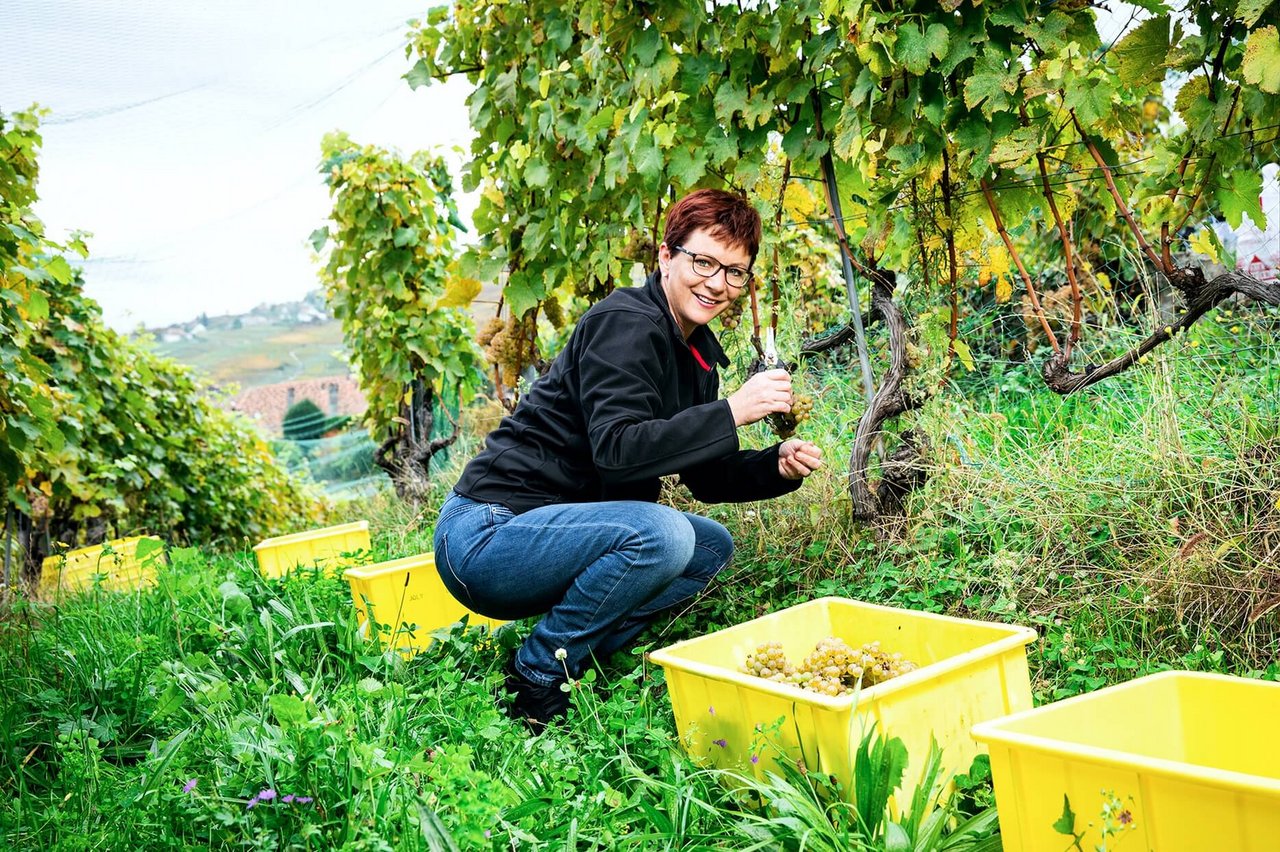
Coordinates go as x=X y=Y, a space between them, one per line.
x=851 y=288
x=8 y=543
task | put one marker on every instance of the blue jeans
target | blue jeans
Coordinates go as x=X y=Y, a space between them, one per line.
x=596 y=572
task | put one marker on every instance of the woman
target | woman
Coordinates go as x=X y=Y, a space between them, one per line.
x=557 y=516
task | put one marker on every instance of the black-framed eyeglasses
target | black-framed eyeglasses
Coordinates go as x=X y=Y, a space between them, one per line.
x=707 y=266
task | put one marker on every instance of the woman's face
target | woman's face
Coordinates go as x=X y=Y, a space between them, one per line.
x=696 y=300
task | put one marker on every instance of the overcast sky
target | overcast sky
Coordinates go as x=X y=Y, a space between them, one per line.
x=185 y=135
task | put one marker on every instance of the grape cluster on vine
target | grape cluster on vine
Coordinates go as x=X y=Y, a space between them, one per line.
x=732 y=315
x=553 y=311
x=509 y=345
x=801 y=407
x=833 y=668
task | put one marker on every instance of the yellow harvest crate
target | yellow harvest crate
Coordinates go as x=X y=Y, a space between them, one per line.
x=406 y=597
x=121 y=565
x=1192 y=757
x=324 y=547
x=969 y=671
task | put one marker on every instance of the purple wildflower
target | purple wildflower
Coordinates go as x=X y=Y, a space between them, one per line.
x=721 y=743
x=487 y=834
x=288 y=799
x=263 y=796
x=1125 y=817
x=302 y=800
x=190 y=785
x=755 y=758
x=712 y=710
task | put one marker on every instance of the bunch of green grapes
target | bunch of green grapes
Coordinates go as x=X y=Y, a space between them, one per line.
x=883 y=666
x=508 y=347
x=801 y=407
x=554 y=313
x=833 y=668
x=488 y=330
x=769 y=662
x=731 y=316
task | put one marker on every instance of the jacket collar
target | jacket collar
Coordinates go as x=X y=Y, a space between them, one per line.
x=702 y=339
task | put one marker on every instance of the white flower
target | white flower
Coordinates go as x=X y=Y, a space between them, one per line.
x=561 y=653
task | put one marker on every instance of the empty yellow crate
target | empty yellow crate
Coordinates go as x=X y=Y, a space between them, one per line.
x=1192 y=757
x=969 y=671
x=324 y=547
x=406 y=597
x=116 y=565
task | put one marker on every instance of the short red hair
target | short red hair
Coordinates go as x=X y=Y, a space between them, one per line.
x=723 y=215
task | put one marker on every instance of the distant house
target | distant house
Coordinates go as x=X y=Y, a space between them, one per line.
x=336 y=395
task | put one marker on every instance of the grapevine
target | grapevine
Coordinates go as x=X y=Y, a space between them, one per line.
x=833 y=668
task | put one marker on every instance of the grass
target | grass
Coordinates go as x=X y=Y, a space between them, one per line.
x=222 y=710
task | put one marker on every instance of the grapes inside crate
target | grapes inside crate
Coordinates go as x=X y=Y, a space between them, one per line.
x=832 y=668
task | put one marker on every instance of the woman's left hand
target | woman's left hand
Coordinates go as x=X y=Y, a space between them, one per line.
x=797 y=459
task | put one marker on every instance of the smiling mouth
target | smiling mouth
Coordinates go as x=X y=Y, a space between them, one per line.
x=710 y=303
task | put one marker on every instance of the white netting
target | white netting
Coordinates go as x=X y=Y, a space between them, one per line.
x=341 y=464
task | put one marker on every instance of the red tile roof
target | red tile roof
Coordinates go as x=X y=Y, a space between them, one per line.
x=268 y=403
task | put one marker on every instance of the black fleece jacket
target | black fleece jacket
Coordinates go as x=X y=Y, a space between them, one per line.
x=626 y=402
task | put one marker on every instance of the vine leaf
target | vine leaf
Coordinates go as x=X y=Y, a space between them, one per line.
x=1091 y=99
x=318 y=238
x=648 y=157
x=1205 y=243
x=990 y=85
x=459 y=293
x=1249 y=11
x=916 y=47
x=520 y=297
x=419 y=75
x=1140 y=55
x=1262 y=59
x=731 y=98
x=687 y=166
x=1016 y=148
x=1239 y=197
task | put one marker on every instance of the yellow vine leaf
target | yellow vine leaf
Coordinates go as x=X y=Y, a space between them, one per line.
x=798 y=202
x=1202 y=243
x=999 y=261
x=459 y=292
x=495 y=196
x=1004 y=289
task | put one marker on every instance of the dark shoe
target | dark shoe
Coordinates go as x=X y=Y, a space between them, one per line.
x=535 y=703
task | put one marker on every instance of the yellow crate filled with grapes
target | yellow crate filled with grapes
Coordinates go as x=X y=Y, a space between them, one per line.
x=804 y=684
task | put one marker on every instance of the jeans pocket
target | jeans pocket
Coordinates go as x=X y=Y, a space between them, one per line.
x=449 y=577
x=500 y=514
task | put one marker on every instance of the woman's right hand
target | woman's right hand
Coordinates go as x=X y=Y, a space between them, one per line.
x=763 y=394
